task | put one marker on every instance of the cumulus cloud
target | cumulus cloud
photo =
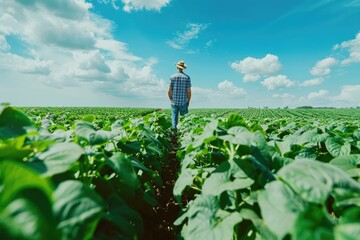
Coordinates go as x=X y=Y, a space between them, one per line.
x=65 y=45
x=276 y=82
x=323 y=67
x=228 y=87
x=318 y=95
x=350 y=94
x=353 y=47
x=182 y=39
x=312 y=82
x=254 y=68
x=284 y=96
x=52 y=23
x=135 y=5
x=24 y=65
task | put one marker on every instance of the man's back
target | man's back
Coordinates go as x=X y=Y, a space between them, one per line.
x=179 y=83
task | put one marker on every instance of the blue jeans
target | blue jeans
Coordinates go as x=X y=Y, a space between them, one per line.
x=175 y=110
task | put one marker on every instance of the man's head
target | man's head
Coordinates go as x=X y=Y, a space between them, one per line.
x=181 y=65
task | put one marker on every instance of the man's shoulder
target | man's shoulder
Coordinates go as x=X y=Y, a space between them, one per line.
x=180 y=75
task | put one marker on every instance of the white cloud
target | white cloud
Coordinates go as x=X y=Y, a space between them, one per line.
x=66 y=46
x=52 y=23
x=182 y=39
x=312 y=82
x=323 y=67
x=3 y=43
x=278 y=81
x=224 y=97
x=318 y=95
x=24 y=65
x=116 y=49
x=113 y=3
x=228 y=87
x=349 y=94
x=254 y=68
x=284 y=96
x=353 y=47
x=131 y=5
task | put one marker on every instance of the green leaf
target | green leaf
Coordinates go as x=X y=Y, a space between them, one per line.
x=348 y=163
x=78 y=210
x=15 y=177
x=13 y=123
x=313 y=224
x=314 y=180
x=122 y=165
x=208 y=134
x=25 y=203
x=184 y=180
x=207 y=221
x=57 y=159
x=88 y=131
x=28 y=217
x=12 y=152
x=337 y=146
x=239 y=135
x=350 y=231
x=235 y=120
x=279 y=207
x=127 y=220
x=228 y=176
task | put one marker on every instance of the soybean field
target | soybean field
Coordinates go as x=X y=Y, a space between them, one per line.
x=225 y=174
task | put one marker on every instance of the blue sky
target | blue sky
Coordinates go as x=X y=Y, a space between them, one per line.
x=121 y=52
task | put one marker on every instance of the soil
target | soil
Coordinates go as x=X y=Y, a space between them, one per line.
x=158 y=224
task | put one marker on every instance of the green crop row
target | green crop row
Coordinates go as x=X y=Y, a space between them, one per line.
x=92 y=173
x=68 y=176
x=269 y=178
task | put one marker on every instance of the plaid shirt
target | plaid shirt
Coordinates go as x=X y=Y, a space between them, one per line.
x=179 y=83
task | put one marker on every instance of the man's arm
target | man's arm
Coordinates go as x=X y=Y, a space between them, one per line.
x=170 y=93
x=188 y=95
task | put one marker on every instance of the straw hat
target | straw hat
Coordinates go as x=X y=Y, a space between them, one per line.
x=181 y=64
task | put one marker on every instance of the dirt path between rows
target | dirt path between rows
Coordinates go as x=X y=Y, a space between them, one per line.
x=159 y=224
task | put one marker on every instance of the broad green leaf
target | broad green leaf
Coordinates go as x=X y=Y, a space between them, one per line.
x=314 y=180
x=89 y=132
x=15 y=177
x=279 y=207
x=207 y=221
x=28 y=217
x=349 y=231
x=127 y=220
x=235 y=120
x=320 y=137
x=357 y=135
x=283 y=147
x=184 y=180
x=130 y=147
x=13 y=123
x=348 y=163
x=228 y=176
x=337 y=146
x=349 y=225
x=259 y=223
x=57 y=159
x=313 y=224
x=122 y=165
x=8 y=151
x=208 y=134
x=78 y=210
x=308 y=136
x=25 y=203
x=239 y=135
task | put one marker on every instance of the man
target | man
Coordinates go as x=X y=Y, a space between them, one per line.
x=179 y=93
